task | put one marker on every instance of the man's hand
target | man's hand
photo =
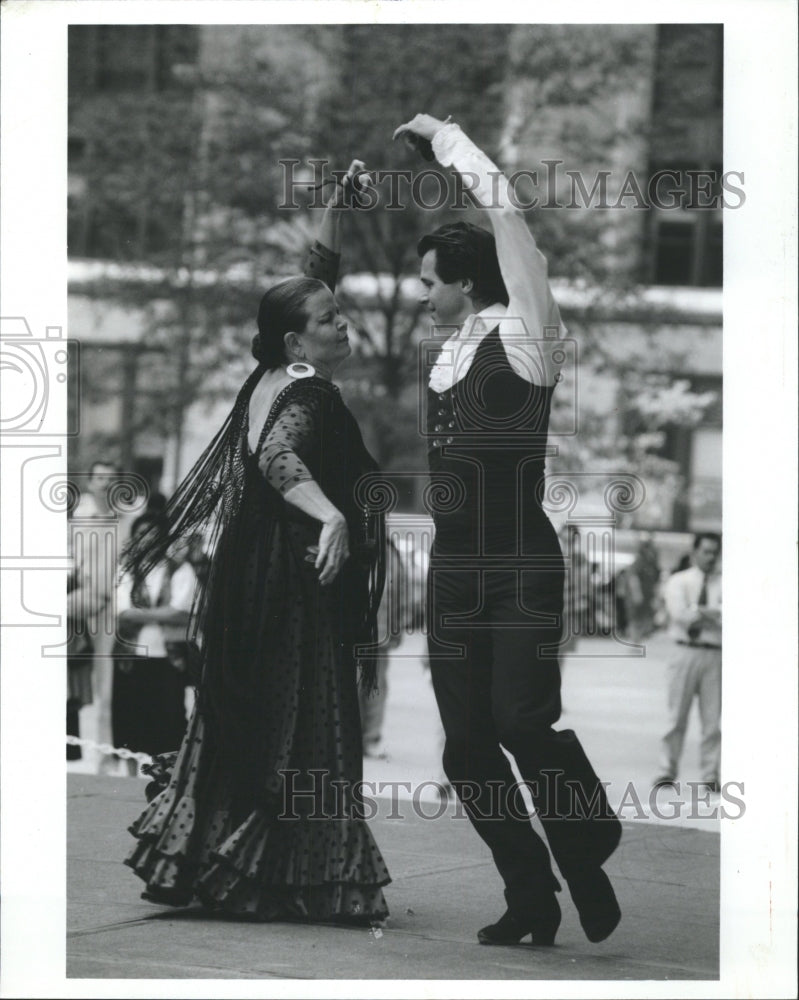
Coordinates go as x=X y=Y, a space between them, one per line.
x=419 y=127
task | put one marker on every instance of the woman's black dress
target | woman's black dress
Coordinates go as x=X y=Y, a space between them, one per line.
x=261 y=814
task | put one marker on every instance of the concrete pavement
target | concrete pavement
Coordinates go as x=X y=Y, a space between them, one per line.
x=614 y=701
x=666 y=873
x=445 y=888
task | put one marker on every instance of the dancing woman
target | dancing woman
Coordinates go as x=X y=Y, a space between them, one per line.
x=260 y=817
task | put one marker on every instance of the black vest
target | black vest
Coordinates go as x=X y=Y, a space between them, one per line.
x=486 y=440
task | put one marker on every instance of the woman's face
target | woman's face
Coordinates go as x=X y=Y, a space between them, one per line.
x=324 y=340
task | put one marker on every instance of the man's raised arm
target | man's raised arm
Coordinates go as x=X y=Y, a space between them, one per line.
x=523 y=266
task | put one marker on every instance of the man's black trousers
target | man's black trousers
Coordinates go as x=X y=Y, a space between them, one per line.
x=492 y=639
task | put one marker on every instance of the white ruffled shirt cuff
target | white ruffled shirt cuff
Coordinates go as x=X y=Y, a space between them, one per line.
x=444 y=142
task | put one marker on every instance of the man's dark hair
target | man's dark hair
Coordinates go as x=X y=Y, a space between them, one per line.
x=712 y=536
x=467 y=251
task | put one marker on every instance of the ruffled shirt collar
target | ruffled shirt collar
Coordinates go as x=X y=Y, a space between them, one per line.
x=458 y=351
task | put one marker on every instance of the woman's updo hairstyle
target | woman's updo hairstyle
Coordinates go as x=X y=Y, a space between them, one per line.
x=282 y=309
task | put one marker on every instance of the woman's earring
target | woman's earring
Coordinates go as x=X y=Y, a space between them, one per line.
x=299 y=369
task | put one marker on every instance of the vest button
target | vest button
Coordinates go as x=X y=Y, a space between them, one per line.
x=437 y=443
x=448 y=441
x=438 y=427
x=451 y=424
x=442 y=413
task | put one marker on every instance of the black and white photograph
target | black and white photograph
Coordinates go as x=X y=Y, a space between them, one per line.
x=389 y=396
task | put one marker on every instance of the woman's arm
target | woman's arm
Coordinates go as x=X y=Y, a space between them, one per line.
x=333 y=549
x=330 y=227
x=325 y=254
x=154 y=616
x=281 y=463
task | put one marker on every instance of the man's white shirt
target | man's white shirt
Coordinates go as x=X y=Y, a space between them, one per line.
x=530 y=325
x=681 y=595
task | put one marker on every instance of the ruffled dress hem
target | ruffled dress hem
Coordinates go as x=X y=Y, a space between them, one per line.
x=266 y=869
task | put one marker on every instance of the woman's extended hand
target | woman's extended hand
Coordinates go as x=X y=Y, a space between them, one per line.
x=334 y=548
x=343 y=192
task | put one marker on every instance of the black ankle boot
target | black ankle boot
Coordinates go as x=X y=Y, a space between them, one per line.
x=540 y=920
x=596 y=903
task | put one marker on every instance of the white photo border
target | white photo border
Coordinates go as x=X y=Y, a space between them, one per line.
x=758 y=891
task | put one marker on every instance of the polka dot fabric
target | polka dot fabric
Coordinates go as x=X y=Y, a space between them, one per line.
x=280 y=458
x=258 y=819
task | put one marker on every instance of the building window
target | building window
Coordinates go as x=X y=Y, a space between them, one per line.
x=687 y=248
x=685 y=224
x=685 y=240
x=689 y=78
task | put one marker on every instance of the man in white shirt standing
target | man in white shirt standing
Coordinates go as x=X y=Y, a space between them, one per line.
x=693 y=602
x=496 y=576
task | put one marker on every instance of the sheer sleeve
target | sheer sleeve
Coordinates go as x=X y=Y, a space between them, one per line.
x=323 y=264
x=290 y=440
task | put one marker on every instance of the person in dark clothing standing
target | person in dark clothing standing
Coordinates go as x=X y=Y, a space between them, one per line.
x=496 y=574
x=148 y=711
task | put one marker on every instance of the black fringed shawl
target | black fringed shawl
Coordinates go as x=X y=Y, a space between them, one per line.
x=227 y=497
x=210 y=498
x=206 y=501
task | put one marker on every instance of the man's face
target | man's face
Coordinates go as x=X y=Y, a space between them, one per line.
x=706 y=555
x=448 y=305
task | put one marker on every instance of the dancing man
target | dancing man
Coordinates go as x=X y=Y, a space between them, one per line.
x=496 y=577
